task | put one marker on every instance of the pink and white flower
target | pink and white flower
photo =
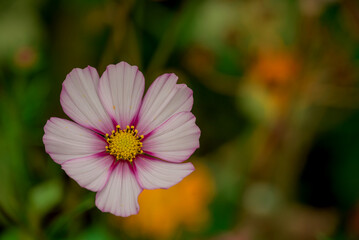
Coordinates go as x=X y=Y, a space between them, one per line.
x=120 y=143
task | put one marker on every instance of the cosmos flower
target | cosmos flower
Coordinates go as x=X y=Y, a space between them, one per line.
x=120 y=143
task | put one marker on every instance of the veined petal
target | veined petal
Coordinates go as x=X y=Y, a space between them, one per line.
x=90 y=172
x=163 y=99
x=120 y=89
x=152 y=173
x=120 y=194
x=66 y=140
x=175 y=140
x=81 y=103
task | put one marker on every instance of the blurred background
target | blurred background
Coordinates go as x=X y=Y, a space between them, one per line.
x=276 y=89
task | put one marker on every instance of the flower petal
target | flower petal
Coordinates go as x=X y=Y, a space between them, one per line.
x=175 y=140
x=81 y=103
x=163 y=99
x=120 y=195
x=66 y=140
x=120 y=89
x=90 y=172
x=152 y=173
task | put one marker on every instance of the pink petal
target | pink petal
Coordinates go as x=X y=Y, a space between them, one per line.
x=175 y=140
x=152 y=173
x=163 y=99
x=121 y=88
x=90 y=172
x=66 y=140
x=80 y=101
x=120 y=195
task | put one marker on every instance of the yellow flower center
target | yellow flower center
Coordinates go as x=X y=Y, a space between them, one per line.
x=124 y=144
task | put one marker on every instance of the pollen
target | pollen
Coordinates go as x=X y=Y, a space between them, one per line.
x=125 y=143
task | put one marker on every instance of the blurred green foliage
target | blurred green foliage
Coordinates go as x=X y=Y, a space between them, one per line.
x=276 y=97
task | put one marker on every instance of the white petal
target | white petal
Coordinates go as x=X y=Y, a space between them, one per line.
x=152 y=173
x=119 y=196
x=66 y=140
x=121 y=88
x=163 y=99
x=175 y=140
x=90 y=172
x=80 y=101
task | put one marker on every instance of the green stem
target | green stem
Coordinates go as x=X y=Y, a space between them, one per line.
x=61 y=222
x=169 y=38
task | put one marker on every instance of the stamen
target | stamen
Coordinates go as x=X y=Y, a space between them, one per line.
x=124 y=144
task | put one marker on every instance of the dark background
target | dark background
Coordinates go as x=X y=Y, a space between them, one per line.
x=276 y=97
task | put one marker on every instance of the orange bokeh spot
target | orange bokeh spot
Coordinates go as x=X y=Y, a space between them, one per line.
x=275 y=67
x=164 y=211
x=272 y=80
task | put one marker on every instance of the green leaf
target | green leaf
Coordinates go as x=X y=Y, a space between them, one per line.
x=45 y=196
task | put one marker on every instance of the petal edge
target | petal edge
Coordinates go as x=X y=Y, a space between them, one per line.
x=121 y=89
x=175 y=140
x=65 y=140
x=120 y=195
x=152 y=173
x=91 y=172
x=80 y=101
x=163 y=99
